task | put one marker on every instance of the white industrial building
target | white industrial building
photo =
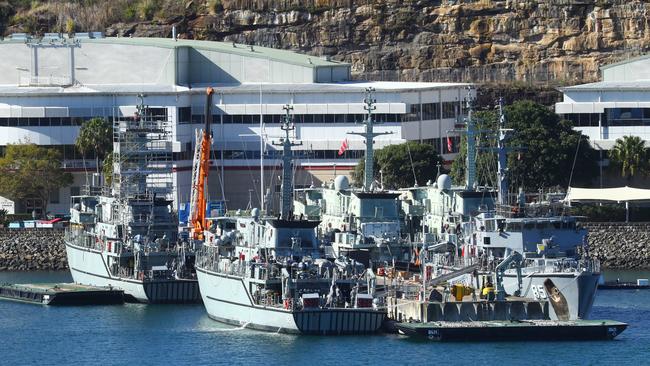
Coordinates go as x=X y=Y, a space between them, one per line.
x=617 y=106
x=50 y=86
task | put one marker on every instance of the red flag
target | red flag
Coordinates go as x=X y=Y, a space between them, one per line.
x=449 y=144
x=344 y=147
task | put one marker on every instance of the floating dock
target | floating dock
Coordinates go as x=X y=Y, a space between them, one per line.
x=531 y=330
x=613 y=285
x=62 y=294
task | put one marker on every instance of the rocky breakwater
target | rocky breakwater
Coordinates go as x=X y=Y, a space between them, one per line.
x=32 y=249
x=620 y=245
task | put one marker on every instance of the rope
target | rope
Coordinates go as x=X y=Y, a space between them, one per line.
x=415 y=178
x=575 y=157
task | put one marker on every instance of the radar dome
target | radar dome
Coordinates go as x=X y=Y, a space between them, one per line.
x=341 y=182
x=444 y=182
x=255 y=213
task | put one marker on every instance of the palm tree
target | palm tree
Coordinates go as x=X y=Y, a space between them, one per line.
x=629 y=153
x=95 y=135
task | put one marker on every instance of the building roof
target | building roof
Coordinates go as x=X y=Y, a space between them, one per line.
x=623 y=62
x=151 y=89
x=286 y=56
x=610 y=85
x=341 y=87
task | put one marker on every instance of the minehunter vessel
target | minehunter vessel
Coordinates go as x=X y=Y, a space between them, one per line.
x=360 y=223
x=128 y=238
x=470 y=221
x=269 y=273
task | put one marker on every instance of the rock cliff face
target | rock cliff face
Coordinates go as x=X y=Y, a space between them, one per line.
x=562 y=41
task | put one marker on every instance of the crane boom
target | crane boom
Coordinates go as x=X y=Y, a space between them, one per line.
x=201 y=169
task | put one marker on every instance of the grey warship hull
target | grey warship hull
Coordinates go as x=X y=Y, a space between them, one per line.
x=227 y=300
x=88 y=267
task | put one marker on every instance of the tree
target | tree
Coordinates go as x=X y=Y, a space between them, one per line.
x=107 y=169
x=69 y=26
x=95 y=138
x=629 y=153
x=547 y=146
x=397 y=167
x=31 y=171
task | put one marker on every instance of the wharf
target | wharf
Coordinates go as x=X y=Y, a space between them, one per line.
x=62 y=294
x=531 y=330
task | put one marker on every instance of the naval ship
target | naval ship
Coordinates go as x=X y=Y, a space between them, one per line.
x=269 y=273
x=482 y=231
x=125 y=234
x=360 y=223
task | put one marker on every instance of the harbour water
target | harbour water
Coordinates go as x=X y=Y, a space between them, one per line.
x=184 y=335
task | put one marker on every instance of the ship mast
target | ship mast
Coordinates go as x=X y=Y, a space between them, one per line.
x=471 y=132
x=502 y=157
x=501 y=149
x=287 y=158
x=369 y=135
x=200 y=171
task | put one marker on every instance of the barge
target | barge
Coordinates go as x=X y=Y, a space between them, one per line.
x=529 y=330
x=62 y=294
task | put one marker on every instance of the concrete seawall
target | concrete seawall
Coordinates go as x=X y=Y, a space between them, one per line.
x=32 y=249
x=620 y=245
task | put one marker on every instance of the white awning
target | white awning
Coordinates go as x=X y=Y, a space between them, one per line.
x=621 y=194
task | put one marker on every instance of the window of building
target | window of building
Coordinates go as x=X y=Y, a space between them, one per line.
x=157 y=112
x=413 y=113
x=430 y=111
x=628 y=116
x=75 y=191
x=184 y=115
x=583 y=119
x=449 y=109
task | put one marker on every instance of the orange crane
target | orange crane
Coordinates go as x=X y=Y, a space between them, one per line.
x=200 y=171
